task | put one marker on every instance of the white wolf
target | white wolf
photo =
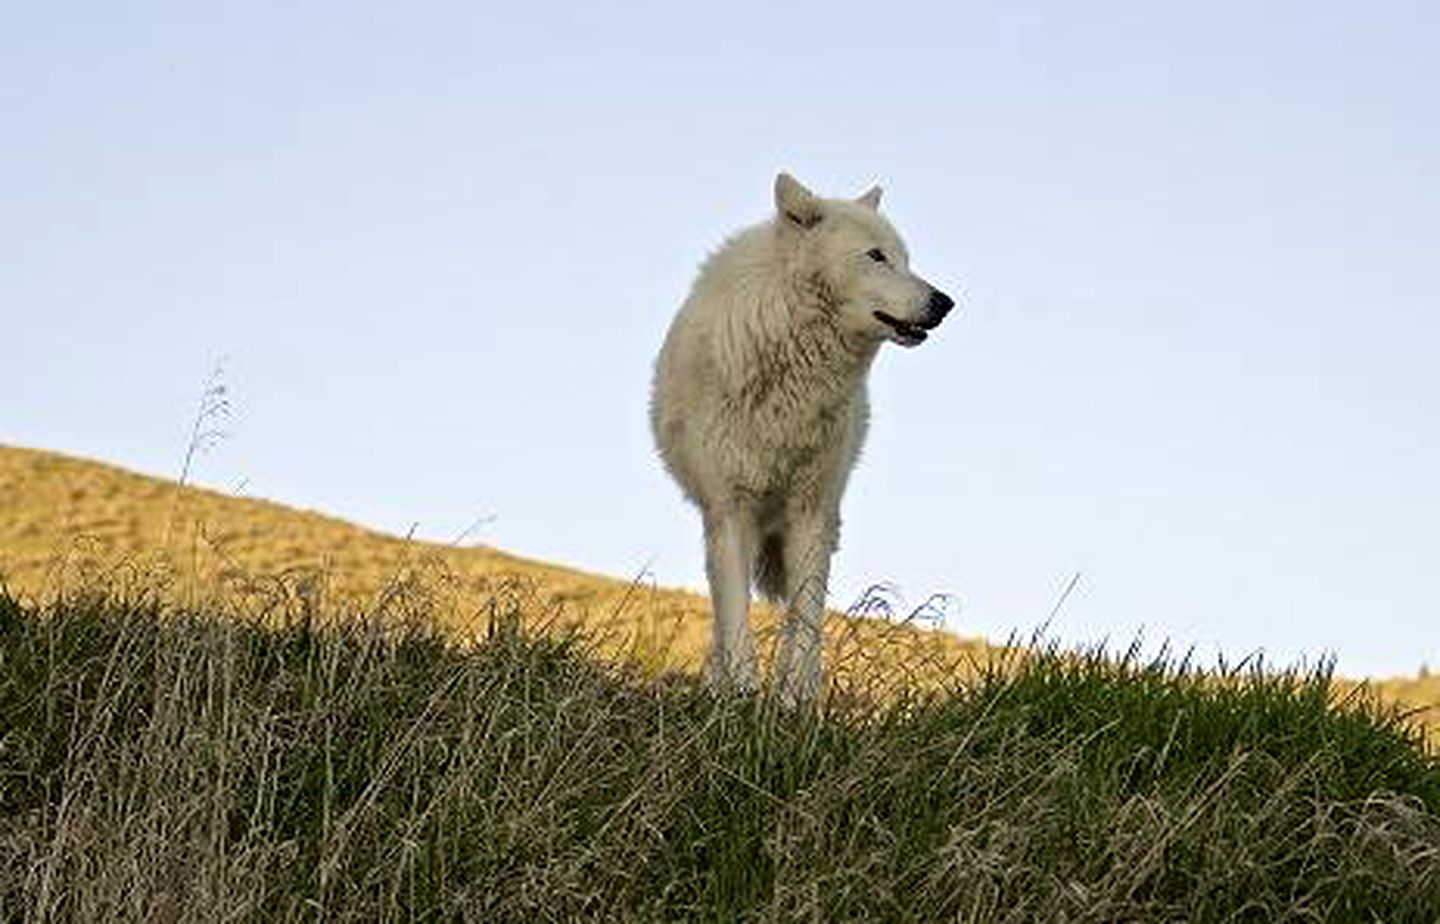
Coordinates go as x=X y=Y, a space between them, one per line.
x=759 y=407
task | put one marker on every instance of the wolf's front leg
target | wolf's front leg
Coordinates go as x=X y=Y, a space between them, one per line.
x=808 y=546
x=729 y=548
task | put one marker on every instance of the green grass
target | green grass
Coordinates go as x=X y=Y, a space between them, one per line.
x=162 y=765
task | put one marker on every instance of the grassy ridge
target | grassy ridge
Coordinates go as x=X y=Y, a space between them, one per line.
x=70 y=521
x=159 y=764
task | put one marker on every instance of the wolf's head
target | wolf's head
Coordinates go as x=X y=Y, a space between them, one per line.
x=846 y=250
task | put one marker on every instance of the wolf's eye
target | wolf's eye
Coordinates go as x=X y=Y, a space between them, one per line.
x=876 y=254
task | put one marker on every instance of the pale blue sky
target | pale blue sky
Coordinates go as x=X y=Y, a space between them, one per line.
x=440 y=243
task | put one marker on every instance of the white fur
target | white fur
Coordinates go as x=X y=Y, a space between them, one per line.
x=759 y=408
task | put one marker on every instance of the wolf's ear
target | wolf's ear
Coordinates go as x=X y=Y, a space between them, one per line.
x=871 y=198
x=795 y=203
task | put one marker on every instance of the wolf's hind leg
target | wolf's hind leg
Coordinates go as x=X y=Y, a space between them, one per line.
x=770 y=568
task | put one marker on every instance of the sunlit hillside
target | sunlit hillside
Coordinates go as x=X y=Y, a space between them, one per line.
x=66 y=524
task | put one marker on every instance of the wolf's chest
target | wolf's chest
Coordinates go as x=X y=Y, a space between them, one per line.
x=782 y=442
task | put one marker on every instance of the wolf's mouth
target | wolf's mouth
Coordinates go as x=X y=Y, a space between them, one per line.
x=907 y=333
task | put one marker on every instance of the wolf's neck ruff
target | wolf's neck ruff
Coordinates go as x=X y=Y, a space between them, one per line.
x=811 y=370
x=786 y=351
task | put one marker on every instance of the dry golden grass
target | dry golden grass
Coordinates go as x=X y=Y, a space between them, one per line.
x=67 y=522
x=71 y=523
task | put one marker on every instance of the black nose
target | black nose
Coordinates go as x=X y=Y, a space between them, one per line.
x=938 y=306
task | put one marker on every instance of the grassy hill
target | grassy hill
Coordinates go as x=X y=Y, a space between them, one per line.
x=219 y=708
x=68 y=523
x=166 y=763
